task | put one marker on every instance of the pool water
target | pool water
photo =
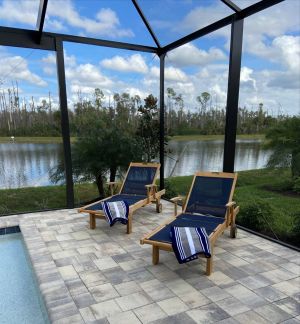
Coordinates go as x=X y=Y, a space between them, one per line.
x=20 y=299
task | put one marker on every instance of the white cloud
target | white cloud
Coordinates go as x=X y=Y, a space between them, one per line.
x=16 y=68
x=133 y=63
x=51 y=59
x=189 y=54
x=19 y=11
x=87 y=75
x=246 y=80
x=105 y=22
x=171 y=74
x=63 y=14
x=287 y=50
x=202 y=16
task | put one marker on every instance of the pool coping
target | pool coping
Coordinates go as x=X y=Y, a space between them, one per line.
x=51 y=285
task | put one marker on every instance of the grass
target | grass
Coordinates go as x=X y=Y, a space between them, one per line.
x=14 y=201
x=213 y=137
x=33 y=139
x=47 y=140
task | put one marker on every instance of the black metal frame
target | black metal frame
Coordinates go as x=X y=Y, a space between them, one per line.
x=39 y=39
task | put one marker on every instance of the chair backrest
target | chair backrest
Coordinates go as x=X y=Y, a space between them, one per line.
x=210 y=192
x=138 y=176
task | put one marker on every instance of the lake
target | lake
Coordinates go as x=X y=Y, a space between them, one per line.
x=28 y=164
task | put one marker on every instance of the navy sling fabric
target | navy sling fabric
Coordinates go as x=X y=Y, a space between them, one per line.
x=187 y=220
x=210 y=196
x=137 y=178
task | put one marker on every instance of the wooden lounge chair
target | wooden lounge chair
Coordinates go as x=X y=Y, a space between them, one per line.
x=138 y=189
x=209 y=204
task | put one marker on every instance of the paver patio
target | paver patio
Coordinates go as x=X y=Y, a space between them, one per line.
x=106 y=276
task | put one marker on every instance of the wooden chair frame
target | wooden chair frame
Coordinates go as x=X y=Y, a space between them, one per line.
x=153 y=196
x=231 y=212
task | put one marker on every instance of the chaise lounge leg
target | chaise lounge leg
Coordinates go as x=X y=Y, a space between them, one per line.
x=92 y=221
x=158 y=206
x=155 y=255
x=209 y=266
x=129 y=224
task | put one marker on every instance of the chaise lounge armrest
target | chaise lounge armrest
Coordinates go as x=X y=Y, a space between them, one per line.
x=232 y=211
x=175 y=200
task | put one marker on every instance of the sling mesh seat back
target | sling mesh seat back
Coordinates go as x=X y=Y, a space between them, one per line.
x=137 y=178
x=209 y=196
x=130 y=199
x=210 y=223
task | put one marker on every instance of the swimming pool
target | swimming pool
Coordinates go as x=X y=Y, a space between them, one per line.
x=20 y=299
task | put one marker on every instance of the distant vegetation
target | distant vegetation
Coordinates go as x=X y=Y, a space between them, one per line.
x=20 y=117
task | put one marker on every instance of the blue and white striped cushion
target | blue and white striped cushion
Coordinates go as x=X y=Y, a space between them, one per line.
x=189 y=242
x=116 y=211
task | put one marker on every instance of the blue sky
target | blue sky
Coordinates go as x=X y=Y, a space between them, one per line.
x=270 y=62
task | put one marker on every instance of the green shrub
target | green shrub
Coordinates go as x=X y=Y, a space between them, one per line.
x=258 y=216
x=296 y=186
x=296 y=230
x=171 y=191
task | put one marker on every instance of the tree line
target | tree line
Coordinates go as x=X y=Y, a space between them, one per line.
x=29 y=118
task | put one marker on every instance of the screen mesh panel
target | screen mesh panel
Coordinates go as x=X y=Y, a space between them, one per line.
x=209 y=196
x=137 y=178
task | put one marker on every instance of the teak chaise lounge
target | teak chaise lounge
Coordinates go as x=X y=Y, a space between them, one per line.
x=209 y=204
x=138 y=190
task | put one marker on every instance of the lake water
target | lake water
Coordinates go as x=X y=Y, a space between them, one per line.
x=28 y=164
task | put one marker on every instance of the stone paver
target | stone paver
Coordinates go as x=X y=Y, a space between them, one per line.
x=105 y=276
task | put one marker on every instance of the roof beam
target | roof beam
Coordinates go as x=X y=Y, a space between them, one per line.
x=19 y=37
x=259 y=6
x=139 y=10
x=41 y=19
x=25 y=38
x=231 y=5
x=199 y=33
x=105 y=43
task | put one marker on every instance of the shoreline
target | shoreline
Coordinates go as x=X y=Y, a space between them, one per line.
x=58 y=140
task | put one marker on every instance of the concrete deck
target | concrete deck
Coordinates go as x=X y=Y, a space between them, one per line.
x=106 y=276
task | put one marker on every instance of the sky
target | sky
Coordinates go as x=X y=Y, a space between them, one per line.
x=270 y=71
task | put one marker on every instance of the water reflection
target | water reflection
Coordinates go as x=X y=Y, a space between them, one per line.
x=27 y=164
x=208 y=156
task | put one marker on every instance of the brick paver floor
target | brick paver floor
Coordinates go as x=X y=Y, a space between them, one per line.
x=106 y=276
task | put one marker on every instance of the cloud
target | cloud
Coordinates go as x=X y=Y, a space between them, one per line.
x=104 y=23
x=287 y=50
x=16 y=68
x=19 y=11
x=133 y=63
x=51 y=59
x=246 y=80
x=87 y=75
x=189 y=54
x=202 y=16
x=63 y=14
x=171 y=74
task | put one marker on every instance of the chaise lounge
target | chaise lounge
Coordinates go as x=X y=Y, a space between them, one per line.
x=138 y=190
x=209 y=204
